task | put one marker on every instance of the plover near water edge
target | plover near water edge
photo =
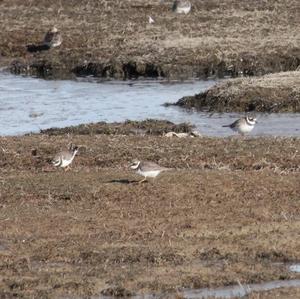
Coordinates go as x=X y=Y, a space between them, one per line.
x=243 y=125
x=52 y=38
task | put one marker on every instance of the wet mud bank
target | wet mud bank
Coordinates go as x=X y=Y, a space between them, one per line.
x=113 y=39
x=227 y=213
x=270 y=93
x=211 y=67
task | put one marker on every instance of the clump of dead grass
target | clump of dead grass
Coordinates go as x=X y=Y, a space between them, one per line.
x=142 y=128
x=271 y=93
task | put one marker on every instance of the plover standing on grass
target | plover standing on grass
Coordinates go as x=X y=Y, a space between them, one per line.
x=52 y=38
x=182 y=6
x=64 y=158
x=151 y=21
x=147 y=169
x=243 y=125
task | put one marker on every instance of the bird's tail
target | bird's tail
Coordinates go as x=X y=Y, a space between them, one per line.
x=226 y=126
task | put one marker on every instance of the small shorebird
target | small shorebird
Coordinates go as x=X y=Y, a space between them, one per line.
x=147 y=169
x=243 y=125
x=151 y=21
x=182 y=6
x=64 y=158
x=52 y=38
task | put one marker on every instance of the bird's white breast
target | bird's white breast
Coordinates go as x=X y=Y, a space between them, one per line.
x=56 y=44
x=245 y=128
x=184 y=10
x=150 y=173
x=66 y=162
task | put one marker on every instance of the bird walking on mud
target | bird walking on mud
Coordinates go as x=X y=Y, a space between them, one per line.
x=64 y=158
x=51 y=40
x=147 y=169
x=243 y=125
x=182 y=6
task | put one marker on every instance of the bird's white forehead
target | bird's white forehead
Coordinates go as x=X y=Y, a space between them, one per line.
x=251 y=119
x=135 y=164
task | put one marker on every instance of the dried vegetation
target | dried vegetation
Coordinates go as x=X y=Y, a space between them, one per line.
x=270 y=93
x=146 y=127
x=227 y=213
x=114 y=39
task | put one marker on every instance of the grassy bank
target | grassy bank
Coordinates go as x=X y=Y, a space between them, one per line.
x=114 y=39
x=270 y=93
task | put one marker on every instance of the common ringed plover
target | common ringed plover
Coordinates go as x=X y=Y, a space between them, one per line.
x=182 y=6
x=64 y=158
x=243 y=125
x=151 y=20
x=52 y=38
x=147 y=169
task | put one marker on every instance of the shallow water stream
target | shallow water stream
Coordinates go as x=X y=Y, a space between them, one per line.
x=240 y=290
x=29 y=104
x=234 y=291
x=295 y=268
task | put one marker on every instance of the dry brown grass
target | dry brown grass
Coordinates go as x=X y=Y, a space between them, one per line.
x=113 y=38
x=146 y=127
x=227 y=213
x=270 y=93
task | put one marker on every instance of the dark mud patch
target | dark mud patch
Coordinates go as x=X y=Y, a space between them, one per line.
x=51 y=69
x=129 y=70
x=117 y=292
x=208 y=67
x=271 y=93
x=141 y=128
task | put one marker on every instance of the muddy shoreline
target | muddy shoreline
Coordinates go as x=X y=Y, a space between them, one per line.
x=112 y=39
x=134 y=69
x=278 y=92
x=228 y=212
